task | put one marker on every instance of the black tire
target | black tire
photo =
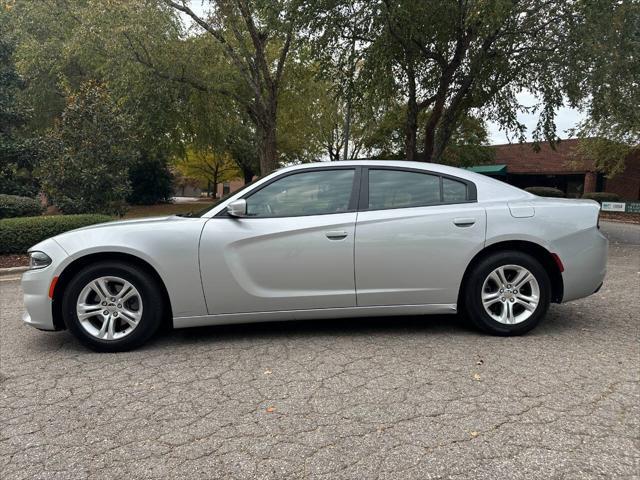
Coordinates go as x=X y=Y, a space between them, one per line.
x=148 y=289
x=474 y=309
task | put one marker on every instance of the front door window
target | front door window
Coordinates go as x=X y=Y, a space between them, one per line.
x=308 y=193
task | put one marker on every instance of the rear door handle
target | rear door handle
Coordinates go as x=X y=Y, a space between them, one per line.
x=336 y=234
x=464 y=222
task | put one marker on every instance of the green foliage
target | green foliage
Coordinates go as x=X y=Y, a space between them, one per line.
x=450 y=59
x=18 y=155
x=469 y=144
x=602 y=196
x=19 y=234
x=546 y=192
x=151 y=182
x=301 y=108
x=609 y=156
x=62 y=45
x=416 y=79
x=383 y=138
x=90 y=153
x=16 y=206
x=602 y=79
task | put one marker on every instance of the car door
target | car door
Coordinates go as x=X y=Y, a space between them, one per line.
x=293 y=250
x=415 y=235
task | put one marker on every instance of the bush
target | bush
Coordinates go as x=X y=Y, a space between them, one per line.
x=18 y=234
x=15 y=206
x=151 y=181
x=602 y=196
x=88 y=154
x=546 y=192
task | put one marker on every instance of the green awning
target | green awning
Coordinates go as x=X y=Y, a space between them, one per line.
x=489 y=169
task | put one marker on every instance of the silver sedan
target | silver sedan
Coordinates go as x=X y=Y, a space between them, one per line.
x=325 y=240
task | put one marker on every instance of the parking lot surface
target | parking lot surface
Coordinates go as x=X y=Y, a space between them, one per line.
x=417 y=397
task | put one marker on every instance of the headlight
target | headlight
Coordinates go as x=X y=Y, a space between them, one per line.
x=38 y=260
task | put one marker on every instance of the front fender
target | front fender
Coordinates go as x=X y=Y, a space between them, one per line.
x=170 y=247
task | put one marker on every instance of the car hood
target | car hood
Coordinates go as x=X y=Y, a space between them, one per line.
x=137 y=224
x=134 y=221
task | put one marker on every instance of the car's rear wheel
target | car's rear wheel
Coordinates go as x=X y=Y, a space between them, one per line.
x=112 y=306
x=507 y=293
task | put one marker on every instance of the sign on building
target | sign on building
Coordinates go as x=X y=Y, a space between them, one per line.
x=628 y=207
x=613 y=206
x=632 y=207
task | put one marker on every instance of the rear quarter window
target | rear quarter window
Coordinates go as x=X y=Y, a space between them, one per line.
x=402 y=189
x=453 y=191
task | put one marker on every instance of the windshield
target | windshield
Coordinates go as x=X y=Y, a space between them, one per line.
x=202 y=211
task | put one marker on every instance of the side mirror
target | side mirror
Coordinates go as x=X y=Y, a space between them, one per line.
x=237 y=208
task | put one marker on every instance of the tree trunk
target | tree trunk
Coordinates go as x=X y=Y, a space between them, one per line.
x=266 y=120
x=215 y=187
x=268 y=150
x=411 y=125
x=444 y=133
x=411 y=131
x=430 y=131
x=347 y=126
x=247 y=173
x=334 y=154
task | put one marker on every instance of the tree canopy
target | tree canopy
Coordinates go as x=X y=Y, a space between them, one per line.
x=19 y=153
x=267 y=83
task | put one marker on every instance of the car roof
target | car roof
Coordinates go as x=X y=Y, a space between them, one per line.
x=432 y=167
x=374 y=163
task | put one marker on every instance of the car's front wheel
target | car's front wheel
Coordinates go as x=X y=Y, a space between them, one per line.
x=508 y=293
x=112 y=306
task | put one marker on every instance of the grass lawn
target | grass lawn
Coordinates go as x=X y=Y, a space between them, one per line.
x=140 y=211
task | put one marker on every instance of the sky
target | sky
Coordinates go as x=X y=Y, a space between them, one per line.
x=566 y=119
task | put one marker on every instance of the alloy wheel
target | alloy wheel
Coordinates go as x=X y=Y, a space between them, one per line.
x=109 y=308
x=510 y=294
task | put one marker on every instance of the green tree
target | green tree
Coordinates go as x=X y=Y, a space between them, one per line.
x=18 y=154
x=90 y=153
x=449 y=59
x=603 y=80
x=255 y=37
x=151 y=180
x=65 y=43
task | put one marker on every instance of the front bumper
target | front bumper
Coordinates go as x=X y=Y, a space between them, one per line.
x=35 y=285
x=26 y=318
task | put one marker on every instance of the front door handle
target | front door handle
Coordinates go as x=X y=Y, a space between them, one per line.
x=336 y=234
x=464 y=222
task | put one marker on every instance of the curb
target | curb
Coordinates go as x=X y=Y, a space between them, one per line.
x=5 y=272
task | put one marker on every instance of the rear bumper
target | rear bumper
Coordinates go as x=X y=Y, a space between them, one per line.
x=584 y=256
